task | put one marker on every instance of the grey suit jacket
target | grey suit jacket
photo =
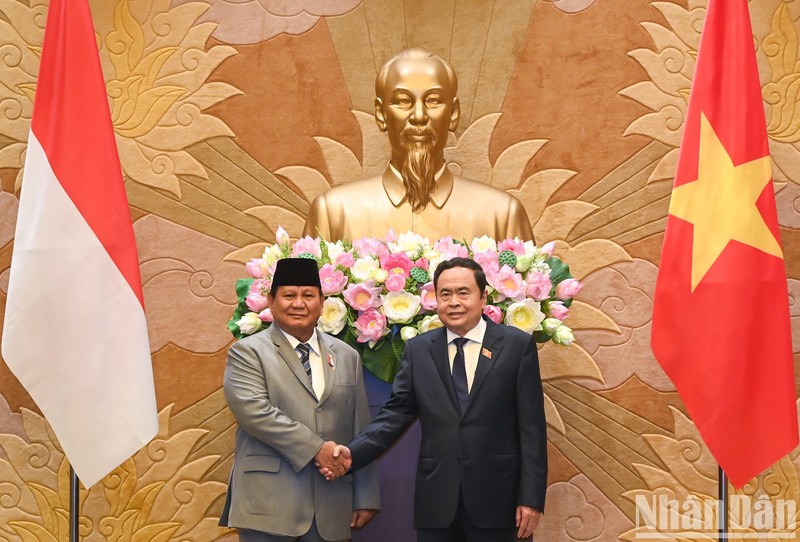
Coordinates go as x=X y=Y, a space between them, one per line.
x=274 y=486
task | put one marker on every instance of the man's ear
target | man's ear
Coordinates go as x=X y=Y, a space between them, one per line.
x=380 y=119
x=455 y=116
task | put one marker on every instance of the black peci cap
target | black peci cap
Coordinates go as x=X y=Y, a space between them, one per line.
x=296 y=272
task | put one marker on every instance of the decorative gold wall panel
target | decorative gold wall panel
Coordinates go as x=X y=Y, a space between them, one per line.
x=231 y=116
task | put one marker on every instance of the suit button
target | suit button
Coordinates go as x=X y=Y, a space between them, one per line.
x=319 y=409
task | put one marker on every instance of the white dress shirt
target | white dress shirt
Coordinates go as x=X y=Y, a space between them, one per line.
x=472 y=349
x=314 y=358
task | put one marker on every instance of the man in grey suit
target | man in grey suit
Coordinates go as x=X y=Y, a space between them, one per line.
x=476 y=389
x=294 y=391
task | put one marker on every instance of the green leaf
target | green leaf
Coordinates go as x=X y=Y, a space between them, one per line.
x=242 y=289
x=383 y=360
x=541 y=336
x=559 y=271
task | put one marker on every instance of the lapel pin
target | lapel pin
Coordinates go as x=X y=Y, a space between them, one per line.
x=330 y=362
x=486 y=353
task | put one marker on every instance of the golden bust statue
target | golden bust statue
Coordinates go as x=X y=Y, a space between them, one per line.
x=416 y=105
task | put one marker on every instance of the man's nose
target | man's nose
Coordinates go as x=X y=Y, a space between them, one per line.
x=418 y=115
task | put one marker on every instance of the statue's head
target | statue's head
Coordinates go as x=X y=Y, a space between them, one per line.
x=416 y=105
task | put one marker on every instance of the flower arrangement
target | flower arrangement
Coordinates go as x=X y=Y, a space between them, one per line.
x=379 y=292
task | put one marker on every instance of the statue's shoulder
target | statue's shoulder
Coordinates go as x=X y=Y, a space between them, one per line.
x=346 y=191
x=477 y=188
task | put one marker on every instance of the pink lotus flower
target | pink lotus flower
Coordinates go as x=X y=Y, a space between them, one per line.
x=495 y=314
x=370 y=326
x=260 y=286
x=488 y=261
x=256 y=302
x=367 y=246
x=539 y=285
x=345 y=259
x=392 y=262
x=256 y=268
x=450 y=249
x=428 y=297
x=514 y=245
x=365 y=287
x=363 y=296
x=332 y=280
x=509 y=283
x=395 y=282
x=568 y=288
x=307 y=245
x=265 y=315
x=281 y=235
x=557 y=310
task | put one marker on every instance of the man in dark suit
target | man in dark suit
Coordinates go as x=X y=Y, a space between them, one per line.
x=293 y=391
x=476 y=389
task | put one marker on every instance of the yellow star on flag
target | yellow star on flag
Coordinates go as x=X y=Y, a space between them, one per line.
x=721 y=203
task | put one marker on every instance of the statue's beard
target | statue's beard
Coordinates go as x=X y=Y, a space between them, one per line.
x=419 y=177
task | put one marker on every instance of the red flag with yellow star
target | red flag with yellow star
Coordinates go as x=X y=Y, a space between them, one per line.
x=721 y=311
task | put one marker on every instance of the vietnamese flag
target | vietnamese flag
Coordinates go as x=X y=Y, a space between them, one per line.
x=721 y=310
x=75 y=332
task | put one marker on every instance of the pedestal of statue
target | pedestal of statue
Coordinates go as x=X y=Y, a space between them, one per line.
x=397 y=468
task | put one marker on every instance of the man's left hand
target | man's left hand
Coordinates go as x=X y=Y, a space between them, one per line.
x=361 y=518
x=329 y=459
x=527 y=520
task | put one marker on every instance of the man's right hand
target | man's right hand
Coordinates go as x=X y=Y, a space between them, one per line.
x=331 y=462
x=341 y=455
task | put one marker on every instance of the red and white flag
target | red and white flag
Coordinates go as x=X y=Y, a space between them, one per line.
x=75 y=332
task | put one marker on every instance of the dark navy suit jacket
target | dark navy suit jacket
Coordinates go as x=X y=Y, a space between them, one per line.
x=495 y=453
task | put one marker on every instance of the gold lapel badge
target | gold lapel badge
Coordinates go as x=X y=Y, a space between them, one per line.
x=486 y=353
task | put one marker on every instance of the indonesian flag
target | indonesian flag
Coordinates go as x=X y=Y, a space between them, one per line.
x=721 y=311
x=75 y=332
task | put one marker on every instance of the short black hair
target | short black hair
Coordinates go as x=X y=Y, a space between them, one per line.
x=477 y=270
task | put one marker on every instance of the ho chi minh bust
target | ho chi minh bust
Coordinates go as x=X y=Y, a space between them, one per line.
x=416 y=105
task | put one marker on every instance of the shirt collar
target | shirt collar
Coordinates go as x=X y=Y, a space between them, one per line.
x=393 y=185
x=475 y=334
x=313 y=342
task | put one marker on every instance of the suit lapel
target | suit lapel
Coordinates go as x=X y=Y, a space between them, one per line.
x=328 y=365
x=290 y=357
x=490 y=351
x=438 y=351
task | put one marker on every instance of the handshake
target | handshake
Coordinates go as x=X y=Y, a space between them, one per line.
x=333 y=460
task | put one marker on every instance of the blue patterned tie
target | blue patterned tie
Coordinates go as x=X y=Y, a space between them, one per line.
x=305 y=352
x=460 y=375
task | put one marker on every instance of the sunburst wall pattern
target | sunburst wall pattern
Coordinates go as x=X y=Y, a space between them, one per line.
x=231 y=116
